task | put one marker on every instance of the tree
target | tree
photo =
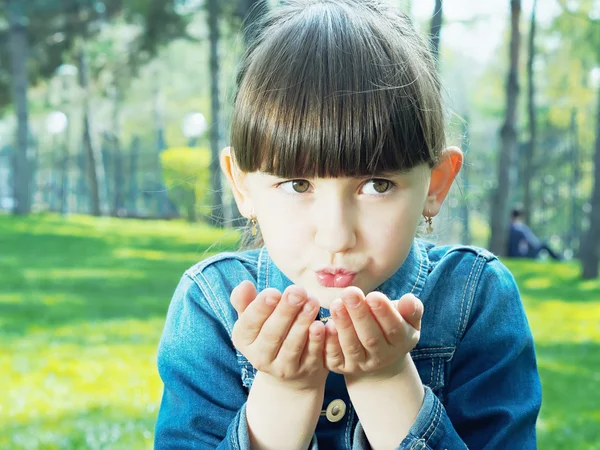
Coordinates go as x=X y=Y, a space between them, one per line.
x=96 y=178
x=579 y=28
x=436 y=29
x=508 y=133
x=252 y=12
x=528 y=167
x=464 y=209
x=20 y=80
x=213 y=15
x=53 y=31
x=591 y=247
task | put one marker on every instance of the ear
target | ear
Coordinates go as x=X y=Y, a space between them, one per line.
x=237 y=181
x=442 y=177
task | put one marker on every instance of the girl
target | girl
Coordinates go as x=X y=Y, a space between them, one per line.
x=316 y=338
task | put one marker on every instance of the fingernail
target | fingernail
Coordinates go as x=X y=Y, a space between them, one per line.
x=270 y=300
x=338 y=308
x=308 y=309
x=295 y=299
x=417 y=307
x=351 y=301
x=374 y=303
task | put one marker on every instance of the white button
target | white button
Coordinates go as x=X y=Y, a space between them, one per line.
x=335 y=410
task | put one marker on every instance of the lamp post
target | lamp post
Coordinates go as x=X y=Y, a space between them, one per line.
x=193 y=126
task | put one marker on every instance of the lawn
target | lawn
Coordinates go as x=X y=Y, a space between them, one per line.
x=82 y=305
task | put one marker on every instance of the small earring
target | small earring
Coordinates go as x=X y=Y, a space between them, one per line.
x=254 y=223
x=429 y=222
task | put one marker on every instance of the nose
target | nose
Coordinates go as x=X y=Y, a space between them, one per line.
x=335 y=226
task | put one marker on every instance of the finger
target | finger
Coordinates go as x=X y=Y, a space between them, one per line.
x=314 y=351
x=365 y=326
x=247 y=328
x=334 y=357
x=295 y=342
x=391 y=322
x=242 y=295
x=351 y=346
x=411 y=309
x=276 y=327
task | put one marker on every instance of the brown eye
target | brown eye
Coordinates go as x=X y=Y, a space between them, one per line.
x=381 y=186
x=300 y=186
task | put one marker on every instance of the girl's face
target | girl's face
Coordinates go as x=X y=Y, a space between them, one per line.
x=329 y=233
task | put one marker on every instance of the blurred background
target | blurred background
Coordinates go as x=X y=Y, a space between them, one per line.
x=112 y=113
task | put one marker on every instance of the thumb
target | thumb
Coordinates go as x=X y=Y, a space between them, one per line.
x=242 y=295
x=411 y=310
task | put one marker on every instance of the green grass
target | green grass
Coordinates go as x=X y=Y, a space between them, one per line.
x=82 y=305
x=83 y=302
x=564 y=314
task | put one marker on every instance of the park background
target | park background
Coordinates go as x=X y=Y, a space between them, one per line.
x=111 y=114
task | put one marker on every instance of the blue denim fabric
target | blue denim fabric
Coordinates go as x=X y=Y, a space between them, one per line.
x=475 y=357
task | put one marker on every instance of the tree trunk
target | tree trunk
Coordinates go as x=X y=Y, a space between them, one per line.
x=503 y=194
x=465 y=216
x=252 y=12
x=95 y=170
x=64 y=176
x=216 y=216
x=81 y=185
x=19 y=49
x=436 y=29
x=133 y=173
x=575 y=228
x=119 y=182
x=528 y=167
x=591 y=243
x=162 y=197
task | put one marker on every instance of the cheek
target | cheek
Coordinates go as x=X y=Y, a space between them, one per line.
x=282 y=226
x=394 y=223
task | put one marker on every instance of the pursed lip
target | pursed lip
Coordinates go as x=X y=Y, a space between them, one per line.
x=338 y=277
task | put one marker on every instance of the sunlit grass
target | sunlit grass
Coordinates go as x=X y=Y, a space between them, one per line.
x=564 y=314
x=83 y=302
x=82 y=306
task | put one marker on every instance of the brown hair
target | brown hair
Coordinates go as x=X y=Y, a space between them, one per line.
x=336 y=88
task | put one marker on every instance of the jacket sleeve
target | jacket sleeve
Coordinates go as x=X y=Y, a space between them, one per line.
x=203 y=403
x=204 y=400
x=494 y=392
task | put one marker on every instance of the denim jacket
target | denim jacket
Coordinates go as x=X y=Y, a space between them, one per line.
x=475 y=357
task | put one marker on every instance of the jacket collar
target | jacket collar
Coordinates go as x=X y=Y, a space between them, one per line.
x=409 y=278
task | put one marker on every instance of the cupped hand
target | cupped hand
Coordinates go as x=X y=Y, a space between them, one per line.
x=279 y=336
x=371 y=336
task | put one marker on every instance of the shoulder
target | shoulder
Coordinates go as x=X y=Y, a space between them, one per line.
x=227 y=268
x=455 y=253
x=464 y=280
x=462 y=261
x=205 y=288
x=468 y=265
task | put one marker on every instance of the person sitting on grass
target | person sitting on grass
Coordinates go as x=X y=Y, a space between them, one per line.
x=523 y=243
